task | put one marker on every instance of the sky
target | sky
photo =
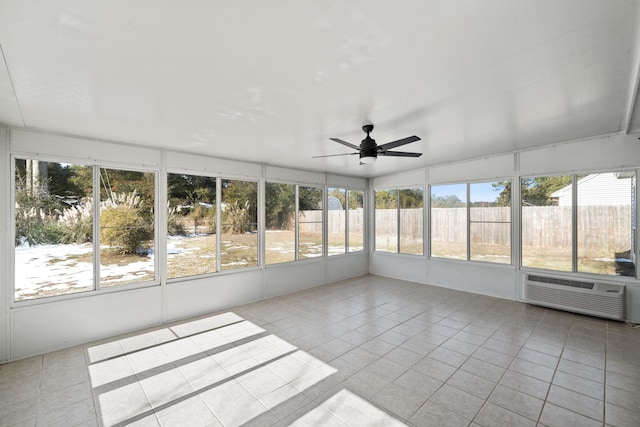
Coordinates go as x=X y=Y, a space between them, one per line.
x=480 y=191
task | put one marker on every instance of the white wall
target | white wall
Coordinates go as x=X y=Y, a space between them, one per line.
x=614 y=152
x=37 y=327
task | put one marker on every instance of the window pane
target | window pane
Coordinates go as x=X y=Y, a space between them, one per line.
x=605 y=223
x=191 y=225
x=356 y=221
x=336 y=202
x=386 y=221
x=126 y=227
x=53 y=229
x=411 y=221
x=239 y=245
x=280 y=238
x=546 y=222
x=490 y=221
x=310 y=222
x=449 y=221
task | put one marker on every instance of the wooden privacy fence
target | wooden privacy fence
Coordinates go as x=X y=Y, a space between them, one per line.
x=599 y=227
x=311 y=221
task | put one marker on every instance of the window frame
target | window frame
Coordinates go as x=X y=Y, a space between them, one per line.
x=467 y=201
x=96 y=289
x=217 y=261
x=398 y=209
x=347 y=228
x=575 y=177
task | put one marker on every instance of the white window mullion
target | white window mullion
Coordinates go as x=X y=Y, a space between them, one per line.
x=96 y=227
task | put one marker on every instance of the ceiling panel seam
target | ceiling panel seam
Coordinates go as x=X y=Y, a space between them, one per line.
x=13 y=87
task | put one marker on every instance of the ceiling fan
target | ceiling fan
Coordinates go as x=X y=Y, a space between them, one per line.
x=369 y=150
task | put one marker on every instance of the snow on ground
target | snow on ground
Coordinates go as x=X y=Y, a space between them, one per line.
x=47 y=270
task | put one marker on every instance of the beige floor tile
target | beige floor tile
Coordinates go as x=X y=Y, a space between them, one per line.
x=525 y=384
x=555 y=416
x=366 y=384
x=434 y=415
x=515 y=401
x=460 y=346
x=70 y=415
x=494 y=357
x=483 y=369
x=189 y=412
x=404 y=357
x=622 y=398
x=495 y=416
x=435 y=369
x=470 y=337
x=123 y=404
x=458 y=401
x=20 y=412
x=538 y=357
x=501 y=347
x=240 y=409
x=623 y=381
x=621 y=417
x=576 y=402
x=532 y=369
x=449 y=357
x=472 y=384
x=420 y=384
x=398 y=400
x=581 y=370
x=579 y=385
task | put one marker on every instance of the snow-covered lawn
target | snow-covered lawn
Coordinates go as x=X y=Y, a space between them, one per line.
x=50 y=270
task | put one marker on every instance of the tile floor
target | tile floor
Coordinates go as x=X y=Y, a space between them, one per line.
x=367 y=351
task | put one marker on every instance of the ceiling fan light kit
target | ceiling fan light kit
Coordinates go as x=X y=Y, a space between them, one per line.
x=369 y=150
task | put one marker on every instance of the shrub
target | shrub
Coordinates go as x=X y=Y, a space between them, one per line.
x=237 y=218
x=123 y=229
x=174 y=225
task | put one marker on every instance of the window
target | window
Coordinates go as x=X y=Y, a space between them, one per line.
x=191 y=225
x=600 y=222
x=280 y=222
x=310 y=222
x=411 y=221
x=546 y=223
x=386 y=221
x=472 y=221
x=53 y=229
x=449 y=221
x=239 y=230
x=355 y=220
x=345 y=221
x=399 y=221
x=59 y=242
x=336 y=221
x=126 y=227
x=490 y=222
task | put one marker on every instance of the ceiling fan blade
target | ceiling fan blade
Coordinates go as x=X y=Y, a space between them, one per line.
x=339 y=141
x=398 y=143
x=399 y=154
x=334 y=155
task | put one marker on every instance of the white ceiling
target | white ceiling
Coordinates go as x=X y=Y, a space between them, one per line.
x=271 y=81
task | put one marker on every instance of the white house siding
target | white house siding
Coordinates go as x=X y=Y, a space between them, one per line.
x=599 y=189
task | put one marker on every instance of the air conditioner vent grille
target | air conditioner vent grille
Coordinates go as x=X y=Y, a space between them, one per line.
x=598 y=299
x=561 y=282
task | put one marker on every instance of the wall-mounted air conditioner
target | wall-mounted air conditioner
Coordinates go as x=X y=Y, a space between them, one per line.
x=593 y=298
